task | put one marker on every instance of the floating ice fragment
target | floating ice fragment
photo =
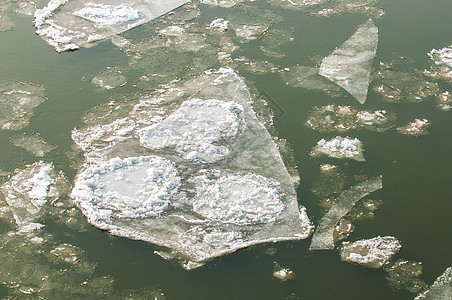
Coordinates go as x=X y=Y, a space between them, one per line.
x=67 y=25
x=5 y=21
x=339 y=147
x=441 y=289
x=18 y=99
x=32 y=143
x=283 y=274
x=416 y=128
x=323 y=237
x=371 y=253
x=219 y=24
x=444 y=100
x=404 y=274
x=441 y=64
x=308 y=78
x=110 y=79
x=350 y=65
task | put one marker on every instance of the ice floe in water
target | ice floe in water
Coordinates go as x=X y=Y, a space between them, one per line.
x=416 y=127
x=371 y=253
x=282 y=274
x=66 y=25
x=441 y=289
x=109 y=79
x=404 y=274
x=342 y=118
x=18 y=99
x=208 y=204
x=350 y=65
x=32 y=143
x=6 y=22
x=323 y=237
x=340 y=147
x=441 y=64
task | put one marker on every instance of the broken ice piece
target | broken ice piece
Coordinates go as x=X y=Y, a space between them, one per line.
x=323 y=237
x=444 y=100
x=404 y=274
x=110 y=79
x=32 y=143
x=441 y=64
x=441 y=289
x=339 y=147
x=350 y=65
x=222 y=3
x=283 y=274
x=371 y=253
x=416 y=128
x=219 y=24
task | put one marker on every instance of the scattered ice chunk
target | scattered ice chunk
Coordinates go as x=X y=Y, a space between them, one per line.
x=323 y=237
x=219 y=24
x=339 y=147
x=342 y=118
x=441 y=289
x=350 y=65
x=441 y=64
x=283 y=274
x=371 y=253
x=444 y=100
x=417 y=127
x=18 y=99
x=110 y=79
x=32 y=143
x=342 y=230
x=404 y=274
x=67 y=25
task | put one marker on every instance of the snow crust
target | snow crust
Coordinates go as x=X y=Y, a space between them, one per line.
x=340 y=147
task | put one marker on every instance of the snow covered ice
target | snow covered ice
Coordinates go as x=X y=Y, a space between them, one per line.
x=339 y=147
x=222 y=184
x=67 y=25
x=417 y=127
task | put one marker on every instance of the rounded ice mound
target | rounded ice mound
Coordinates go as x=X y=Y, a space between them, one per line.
x=194 y=127
x=133 y=187
x=238 y=199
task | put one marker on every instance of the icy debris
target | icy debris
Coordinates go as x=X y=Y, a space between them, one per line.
x=308 y=78
x=371 y=253
x=342 y=230
x=339 y=147
x=32 y=143
x=30 y=189
x=404 y=274
x=444 y=101
x=195 y=128
x=26 y=8
x=283 y=274
x=18 y=99
x=441 y=64
x=324 y=234
x=417 y=127
x=343 y=118
x=396 y=85
x=254 y=66
x=441 y=289
x=219 y=24
x=110 y=79
x=68 y=25
x=196 y=226
x=350 y=65
x=222 y=3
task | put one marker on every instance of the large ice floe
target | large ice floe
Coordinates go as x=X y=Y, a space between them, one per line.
x=348 y=66
x=196 y=172
x=441 y=289
x=68 y=24
x=18 y=99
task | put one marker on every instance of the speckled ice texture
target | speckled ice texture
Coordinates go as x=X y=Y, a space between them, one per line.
x=190 y=168
x=339 y=147
x=441 y=289
x=67 y=25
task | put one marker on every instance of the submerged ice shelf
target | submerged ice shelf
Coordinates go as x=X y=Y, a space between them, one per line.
x=198 y=172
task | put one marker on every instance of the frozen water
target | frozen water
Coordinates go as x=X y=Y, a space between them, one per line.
x=404 y=274
x=6 y=22
x=66 y=25
x=308 y=78
x=32 y=143
x=441 y=64
x=331 y=181
x=343 y=118
x=350 y=65
x=254 y=66
x=444 y=100
x=18 y=99
x=209 y=204
x=441 y=289
x=416 y=127
x=110 y=79
x=283 y=274
x=222 y=3
x=323 y=237
x=339 y=147
x=219 y=24
x=371 y=253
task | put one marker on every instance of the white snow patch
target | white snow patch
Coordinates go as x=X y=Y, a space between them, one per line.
x=340 y=147
x=107 y=15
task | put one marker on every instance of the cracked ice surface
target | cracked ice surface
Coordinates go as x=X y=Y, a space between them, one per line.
x=350 y=65
x=32 y=143
x=209 y=206
x=339 y=147
x=67 y=25
x=441 y=289
x=323 y=237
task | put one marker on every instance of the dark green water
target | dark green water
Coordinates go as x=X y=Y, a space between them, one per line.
x=416 y=171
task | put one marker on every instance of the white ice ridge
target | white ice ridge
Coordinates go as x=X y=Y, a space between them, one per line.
x=194 y=127
x=339 y=147
x=350 y=65
x=323 y=235
x=67 y=25
x=207 y=207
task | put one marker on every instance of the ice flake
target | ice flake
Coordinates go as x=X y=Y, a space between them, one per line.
x=32 y=143
x=416 y=127
x=441 y=64
x=441 y=289
x=350 y=65
x=67 y=25
x=214 y=210
x=339 y=147
x=371 y=253
x=18 y=99
x=324 y=234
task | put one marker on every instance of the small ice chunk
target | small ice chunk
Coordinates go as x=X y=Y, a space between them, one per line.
x=441 y=64
x=283 y=274
x=404 y=274
x=444 y=100
x=222 y=3
x=107 y=15
x=416 y=128
x=350 y=65
x=32 y=143
x=109 y=79
x=339 y=147
x=441 y=289
x=219 y=24
x=323 y=237
x=371 y=253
